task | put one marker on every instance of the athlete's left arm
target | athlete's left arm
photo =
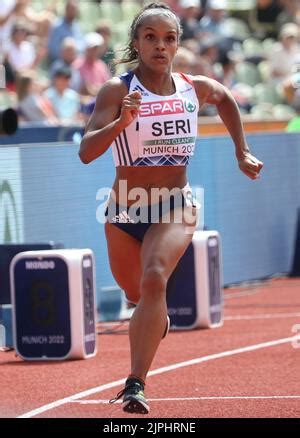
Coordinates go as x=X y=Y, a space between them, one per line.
x=212 y=92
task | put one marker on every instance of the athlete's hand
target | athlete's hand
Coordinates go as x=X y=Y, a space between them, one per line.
x=130 y=107
x=250 y=165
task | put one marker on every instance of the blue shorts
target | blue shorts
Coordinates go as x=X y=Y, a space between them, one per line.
x=135 y=220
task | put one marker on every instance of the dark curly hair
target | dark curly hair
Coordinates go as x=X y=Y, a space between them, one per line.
x=130 y=54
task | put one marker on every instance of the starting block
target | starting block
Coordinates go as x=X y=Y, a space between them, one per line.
x=54 y=304
x=194 y=290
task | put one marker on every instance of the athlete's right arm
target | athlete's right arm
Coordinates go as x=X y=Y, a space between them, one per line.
x=114 y=110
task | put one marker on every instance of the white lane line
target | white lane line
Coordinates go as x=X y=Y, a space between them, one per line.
x=161 y=370
x=262 y=316
x=234 y=397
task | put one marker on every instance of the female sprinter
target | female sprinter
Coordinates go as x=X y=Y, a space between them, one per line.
x=149 y=118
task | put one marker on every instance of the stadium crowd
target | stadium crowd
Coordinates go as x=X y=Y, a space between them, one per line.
x=57 y=54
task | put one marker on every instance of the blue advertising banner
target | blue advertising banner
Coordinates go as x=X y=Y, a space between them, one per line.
x=56 y=197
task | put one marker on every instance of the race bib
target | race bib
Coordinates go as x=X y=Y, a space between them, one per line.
x=167 y=127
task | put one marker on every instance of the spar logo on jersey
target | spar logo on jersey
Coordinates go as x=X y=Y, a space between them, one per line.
x=161 y=108
x=189 y=106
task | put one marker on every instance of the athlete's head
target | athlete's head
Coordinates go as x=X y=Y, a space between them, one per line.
x=154 y=35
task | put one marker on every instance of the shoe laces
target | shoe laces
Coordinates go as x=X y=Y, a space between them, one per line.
x=118 y=396
x=131 y=384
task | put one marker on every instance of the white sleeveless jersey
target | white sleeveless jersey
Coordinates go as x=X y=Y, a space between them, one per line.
x=165 y=130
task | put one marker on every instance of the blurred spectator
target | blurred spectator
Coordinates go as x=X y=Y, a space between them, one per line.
x=39 y=22
x=32 y=105
x=213 y=21
x=216 y=24
x=104 y=29
x=291 y=85
x=175 y=6
x=227 y=74
x=65 y=26
x=243 y=95
x=94 y=72
x=20 y=51
x=184 y=61
x=191 y=44
x=290 y=13
x=190 y=15
x=263 y=18
x=12 y=11
x=65 y=101
x=205 y=65
x=68 y=54
x=207 y=58
x=285 y=53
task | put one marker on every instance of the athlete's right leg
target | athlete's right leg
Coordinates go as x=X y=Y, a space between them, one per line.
x=163 y=246
x=124 y=253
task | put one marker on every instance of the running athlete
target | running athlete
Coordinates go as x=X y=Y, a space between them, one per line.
x=149 y=118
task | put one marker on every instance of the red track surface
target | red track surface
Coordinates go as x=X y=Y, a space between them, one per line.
x=264 y=382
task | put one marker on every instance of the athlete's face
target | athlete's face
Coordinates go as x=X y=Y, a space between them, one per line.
x=157 y=42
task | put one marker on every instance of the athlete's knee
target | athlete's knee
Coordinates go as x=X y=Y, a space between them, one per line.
x=154 y=280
